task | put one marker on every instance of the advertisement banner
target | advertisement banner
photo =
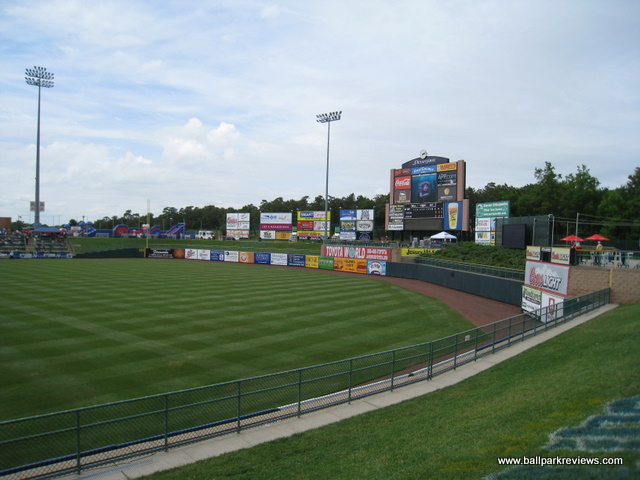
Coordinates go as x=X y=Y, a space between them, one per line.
x=312 y=261
x=365 y=214
x=348 y=215
x=531 y=299
x=364 y=253
x=376 y=267
x=453 y=216
x=348 y=235
x=492 y=209
x=230 y=256
x=276 y=226
x=305 y=225
x=447 y=194
x=554 y=307
x=402 y=196
x=191 y=254
x=365 y=226
x=415 y=252
x=267 y=234
x=232 y=221
x=295 y=260
x=483 y=224
x=315 y=215
x=204 y=255
x=402 y=183
x=262 y=258
x=483 y=238
x=351 y=265
x=320 y=225
x=245 y=257
x=279 y=259
x=160 y=253
x=424 y=170
x=238 y=233
x=283 y=235
x=533 y=253
x=548 y=277
x=276 y=218
x=447 y=167
x=347 y=226
x=561 y=255
x=217 y=255
x=365 y=236
x=447 y=179
x=326 y=263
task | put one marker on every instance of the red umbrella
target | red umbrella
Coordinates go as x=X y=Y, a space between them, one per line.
x=597 y=237
x=571 y=238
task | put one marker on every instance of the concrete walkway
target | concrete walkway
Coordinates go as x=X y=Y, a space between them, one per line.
x=145 y=465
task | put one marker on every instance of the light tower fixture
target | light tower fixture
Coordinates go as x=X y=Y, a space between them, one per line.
x=38 y=77
x=327 y=118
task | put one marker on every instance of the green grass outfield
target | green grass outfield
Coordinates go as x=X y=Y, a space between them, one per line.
x=459 y=432
x=83 y=332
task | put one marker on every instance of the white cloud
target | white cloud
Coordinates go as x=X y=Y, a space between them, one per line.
x=192 y=103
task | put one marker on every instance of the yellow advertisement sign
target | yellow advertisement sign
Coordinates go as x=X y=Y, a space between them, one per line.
x=444 y=167
x=416 y=252
x=312 y=261
x=350 y=265
x=283 y=235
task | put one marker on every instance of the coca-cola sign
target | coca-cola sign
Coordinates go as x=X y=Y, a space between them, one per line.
x=402 y=183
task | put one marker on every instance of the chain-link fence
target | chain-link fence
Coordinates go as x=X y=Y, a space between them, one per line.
x=68 y=442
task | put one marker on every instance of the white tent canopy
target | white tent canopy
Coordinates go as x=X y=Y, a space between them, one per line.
x=443 y=236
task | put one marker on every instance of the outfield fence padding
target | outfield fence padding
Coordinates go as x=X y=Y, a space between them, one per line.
x=69 y=442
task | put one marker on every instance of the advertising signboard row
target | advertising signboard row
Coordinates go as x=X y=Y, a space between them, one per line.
x=352 y=265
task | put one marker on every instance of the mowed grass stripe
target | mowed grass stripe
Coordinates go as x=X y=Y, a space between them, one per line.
x=80 y=332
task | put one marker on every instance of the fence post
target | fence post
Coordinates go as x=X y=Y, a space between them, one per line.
x=455 y=353
x=393 y=368
x=299 y=392
x=430 y=373
x=166 y=422
x=475 y=349
x=350 y=377
x=493 y=340
x=78 y=447
x=238 y=426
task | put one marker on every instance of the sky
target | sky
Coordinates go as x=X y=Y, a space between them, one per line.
x=194 y=103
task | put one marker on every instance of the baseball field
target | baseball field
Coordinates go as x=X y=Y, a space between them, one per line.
x=83 y=332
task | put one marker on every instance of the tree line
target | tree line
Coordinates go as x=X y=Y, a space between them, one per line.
x=576 y=196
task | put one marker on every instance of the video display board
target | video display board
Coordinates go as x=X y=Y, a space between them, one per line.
x=427 y=193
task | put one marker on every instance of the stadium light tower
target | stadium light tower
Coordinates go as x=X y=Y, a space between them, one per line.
x=327 y=118
x=39 y=77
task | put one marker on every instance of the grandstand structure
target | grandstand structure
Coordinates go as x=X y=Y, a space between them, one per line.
x=43 y=242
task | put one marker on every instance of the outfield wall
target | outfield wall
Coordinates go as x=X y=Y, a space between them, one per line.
x=368 y=261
